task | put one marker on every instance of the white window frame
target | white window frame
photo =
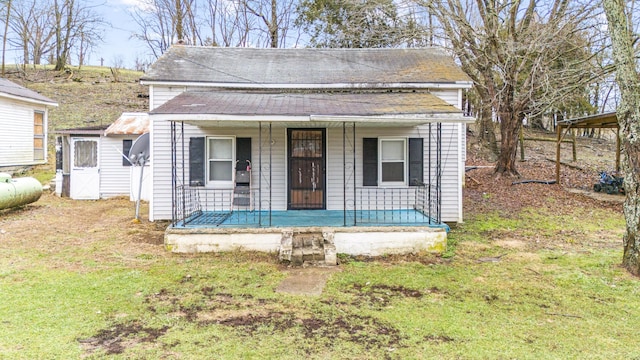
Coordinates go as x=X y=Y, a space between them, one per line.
x=232 y=160
x=405 y=160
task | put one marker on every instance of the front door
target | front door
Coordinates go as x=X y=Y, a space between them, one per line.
x=85 y=175
x=306 y=178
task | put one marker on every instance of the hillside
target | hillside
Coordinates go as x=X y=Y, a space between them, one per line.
x=86 y=97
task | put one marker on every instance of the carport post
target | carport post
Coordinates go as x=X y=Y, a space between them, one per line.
x=618 y=149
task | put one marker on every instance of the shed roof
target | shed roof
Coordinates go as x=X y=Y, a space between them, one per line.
x=305 y=68
x=129 y=124
x=12 y=90
x=603 y=120
x=84 y=130
x=305 y=104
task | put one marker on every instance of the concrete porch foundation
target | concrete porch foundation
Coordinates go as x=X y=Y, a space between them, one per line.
x=366 y=241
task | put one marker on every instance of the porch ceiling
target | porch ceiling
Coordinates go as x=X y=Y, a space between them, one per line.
x=243 y=108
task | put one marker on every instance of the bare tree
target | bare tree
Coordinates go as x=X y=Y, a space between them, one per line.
x=164 y=22
x=32 y=23
x=6 y=30
x=213 y=22
x=618 y=14
x=518 y=54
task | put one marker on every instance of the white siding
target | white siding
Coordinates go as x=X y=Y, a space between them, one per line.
x=114 y=177
x=161 y=94
x=161 y=195
x=452 y=158
x=16 y=132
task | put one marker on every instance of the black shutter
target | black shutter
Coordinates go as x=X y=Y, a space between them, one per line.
x=369 y=161
x=243 y=153
x=416 y=164
x=196 y=161
x=126 y=146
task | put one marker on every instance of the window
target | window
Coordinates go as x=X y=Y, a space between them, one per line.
x=126 y=147
x=38 y=136
x=393 y=161
x=221 y=155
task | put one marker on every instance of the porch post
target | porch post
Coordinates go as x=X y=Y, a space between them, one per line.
x=355 y=192
x=260 y=173
x=174 y=189
x=184 y=189
x=270 y=172
x=439 y=179
x=429 y=175
x=344 y=173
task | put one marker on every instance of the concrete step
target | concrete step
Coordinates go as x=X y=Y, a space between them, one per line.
x=308 y=248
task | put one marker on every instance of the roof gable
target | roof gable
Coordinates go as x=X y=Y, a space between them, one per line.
x=258 y=67
x=13 y=90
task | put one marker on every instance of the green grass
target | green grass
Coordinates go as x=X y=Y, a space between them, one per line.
x=64 y=299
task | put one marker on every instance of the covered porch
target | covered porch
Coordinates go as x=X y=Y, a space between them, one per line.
x=309 y=179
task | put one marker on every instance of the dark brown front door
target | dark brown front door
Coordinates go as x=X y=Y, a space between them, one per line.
x=306 y=168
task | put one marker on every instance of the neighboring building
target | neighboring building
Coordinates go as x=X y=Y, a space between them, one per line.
x=363 y=142
x=92 y=162
x=23 y=125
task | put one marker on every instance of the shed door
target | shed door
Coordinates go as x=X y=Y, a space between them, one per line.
x=85 y=173
x=306 y=169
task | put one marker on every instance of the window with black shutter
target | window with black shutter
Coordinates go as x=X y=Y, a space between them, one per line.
x=383 y=161
x=126 y=146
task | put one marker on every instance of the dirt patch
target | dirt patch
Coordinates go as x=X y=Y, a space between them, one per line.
x=118 y=338
x=249 y=316
x=102 y=230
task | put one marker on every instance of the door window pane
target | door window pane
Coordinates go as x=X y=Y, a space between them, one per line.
x=85 y=153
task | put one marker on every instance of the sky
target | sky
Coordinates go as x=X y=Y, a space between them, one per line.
x=118 y=45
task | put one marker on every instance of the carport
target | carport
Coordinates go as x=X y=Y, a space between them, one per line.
x=599 y=121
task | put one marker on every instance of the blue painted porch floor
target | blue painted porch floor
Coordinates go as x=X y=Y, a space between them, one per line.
x=304 y=218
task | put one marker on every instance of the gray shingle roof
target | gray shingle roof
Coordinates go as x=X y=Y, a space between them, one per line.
x=10 y=88
x=259 y=66
x=305 y=104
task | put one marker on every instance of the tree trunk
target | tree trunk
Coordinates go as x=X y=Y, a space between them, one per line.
x=486 y=129
x=629 y=120
x=510 y=124
x=273 y=27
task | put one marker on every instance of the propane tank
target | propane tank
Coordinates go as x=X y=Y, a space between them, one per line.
x=19 y=191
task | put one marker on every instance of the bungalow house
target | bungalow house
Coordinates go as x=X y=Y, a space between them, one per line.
x=306 y=151
x=92 y=163
x=23 y=125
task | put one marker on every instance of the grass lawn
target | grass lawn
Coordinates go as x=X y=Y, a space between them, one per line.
x=102 y=288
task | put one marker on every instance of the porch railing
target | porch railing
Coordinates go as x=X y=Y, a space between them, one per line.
x=374 y=205
x=371 y=206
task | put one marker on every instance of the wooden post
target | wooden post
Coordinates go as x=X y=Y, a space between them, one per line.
x=558 y=142
x=573 y=137
x=618 y=149
x=521 y=144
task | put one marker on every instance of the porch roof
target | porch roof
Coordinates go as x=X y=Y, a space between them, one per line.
x=393 y=108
